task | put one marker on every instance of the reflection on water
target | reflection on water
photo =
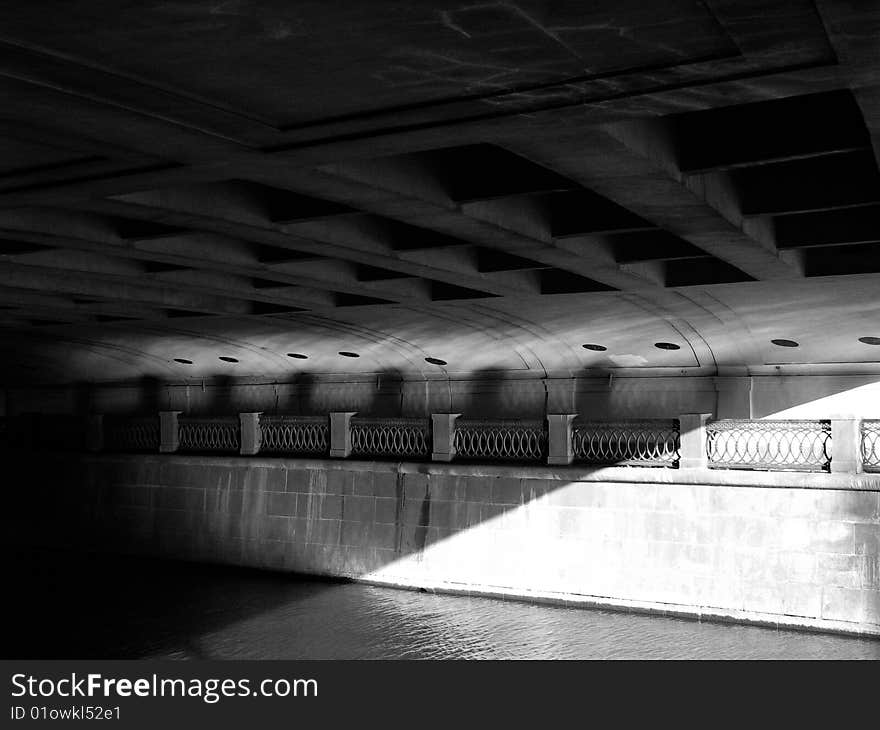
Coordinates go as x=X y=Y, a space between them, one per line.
x=90 y=606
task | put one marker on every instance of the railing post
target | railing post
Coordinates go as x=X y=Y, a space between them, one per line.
x=846 y=446
x=95 y=432
x=443 y=435
x=340 y=435
x=251 y=434
x=692 y=435
x=169 y=434
x=559 y=447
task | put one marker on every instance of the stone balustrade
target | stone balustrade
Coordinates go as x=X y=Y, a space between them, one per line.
x=690 y=441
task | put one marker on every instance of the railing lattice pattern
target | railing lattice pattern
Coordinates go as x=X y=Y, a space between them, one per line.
x=630 y=443
x=408 y=437
x=511 y=440
x=871 y=445
x=123 y=433
x=743 y=444
x=210 y=434
x=295 y=434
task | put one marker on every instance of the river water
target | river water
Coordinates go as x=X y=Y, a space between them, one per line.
x=87 y=606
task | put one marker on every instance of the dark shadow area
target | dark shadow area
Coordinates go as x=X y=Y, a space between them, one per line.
x=218 y=397
x=375 y=395
x=387 y=396
x=313 y=396
x=149 y=399
x=71 y=604
x=598 y=398
x=83 y=398
x=483 y=395
x=300 y=402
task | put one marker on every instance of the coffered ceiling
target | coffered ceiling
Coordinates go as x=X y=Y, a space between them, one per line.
x=489 y=185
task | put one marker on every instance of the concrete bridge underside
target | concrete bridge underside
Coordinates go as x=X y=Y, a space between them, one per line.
x=501 y=209
x=491 y=185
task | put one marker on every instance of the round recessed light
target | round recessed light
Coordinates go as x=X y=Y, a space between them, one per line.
x=183 y=361
x=666 y=346
x=870 y=340
x=348 y=354
x=227 y=359
x=297 y=356
x=785 y=343
x=435 y=361
x=594 y=348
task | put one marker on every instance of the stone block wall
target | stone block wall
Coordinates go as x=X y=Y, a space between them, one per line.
x=760 y=551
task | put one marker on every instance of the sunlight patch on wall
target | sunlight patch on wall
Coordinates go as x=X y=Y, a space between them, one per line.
x=815 y=397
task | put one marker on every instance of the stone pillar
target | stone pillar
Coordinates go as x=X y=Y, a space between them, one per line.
x=846 y=445
x=251 y=434
x=169 y=436
x=95 y=432
x=443 y=431
x=559 y=449
x=340 y=435
x=692 y=427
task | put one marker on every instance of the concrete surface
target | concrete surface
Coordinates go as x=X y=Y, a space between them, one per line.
x=780 y=549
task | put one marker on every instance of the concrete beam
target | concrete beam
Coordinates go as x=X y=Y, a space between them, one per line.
x=117 y=288
x=702 y=211
x=347 y=239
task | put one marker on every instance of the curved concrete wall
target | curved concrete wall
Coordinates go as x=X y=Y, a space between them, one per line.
x=727 y=330
x=490 y=396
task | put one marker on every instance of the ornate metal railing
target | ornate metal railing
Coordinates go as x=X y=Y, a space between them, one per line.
x=221 y=433
x=406 y=437
x=871 y=445
x=626 y=443
x=511 y=440
x=295 y=434
x=131 y=433
x=803 y=445
x=790 y=445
